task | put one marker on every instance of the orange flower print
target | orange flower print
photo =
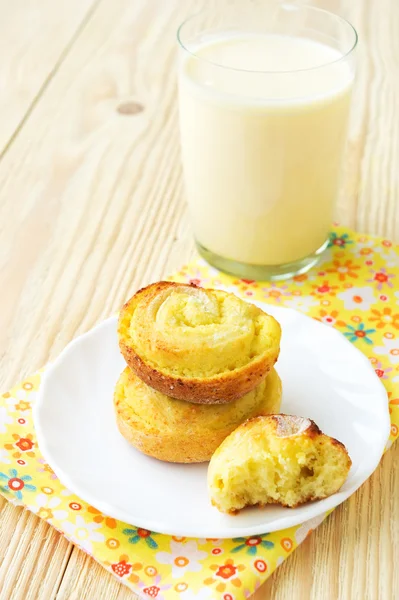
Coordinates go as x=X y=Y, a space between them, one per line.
x=394 y=430
x=385 y=317
x=330 y=318
x=324 y=289
x=344 y=269
x=276 y=293
x=300 y=278
x=287 y=544
x=24 y=445
x=22 y=405
x=228 y=571
x=392 y=401
x=99 y=517
x=366 y=251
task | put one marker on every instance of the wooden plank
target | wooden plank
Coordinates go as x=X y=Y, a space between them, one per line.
x=35 y=38
x=33 y=555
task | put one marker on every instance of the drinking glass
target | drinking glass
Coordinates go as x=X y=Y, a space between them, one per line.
x=264 y=99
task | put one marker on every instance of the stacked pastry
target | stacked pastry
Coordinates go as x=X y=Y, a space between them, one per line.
x=199 y=364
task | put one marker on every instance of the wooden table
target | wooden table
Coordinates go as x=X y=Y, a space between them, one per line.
x=92 y=207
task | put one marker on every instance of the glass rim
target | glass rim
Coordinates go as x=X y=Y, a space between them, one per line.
x=260 y=72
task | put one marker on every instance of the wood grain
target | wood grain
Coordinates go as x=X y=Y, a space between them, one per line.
x=34 y=40
x=92 y=207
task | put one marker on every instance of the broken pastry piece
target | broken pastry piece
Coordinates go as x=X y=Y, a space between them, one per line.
x=276 y=459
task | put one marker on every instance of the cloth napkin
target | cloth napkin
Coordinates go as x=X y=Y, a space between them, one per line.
x=352 y=289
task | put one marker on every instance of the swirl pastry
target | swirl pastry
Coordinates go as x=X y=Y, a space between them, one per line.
x=194 y=344
x=278 y=459
x=178 y=431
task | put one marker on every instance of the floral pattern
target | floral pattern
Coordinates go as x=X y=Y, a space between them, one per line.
x=353 y=290
x=47 y=507
x=250 y=544
x=223 y=573
x=385 y=317
x=357 y=298
x=354 y=334
x=182 y=557
x=141 y=535
x=14 y=483
x=86 y=533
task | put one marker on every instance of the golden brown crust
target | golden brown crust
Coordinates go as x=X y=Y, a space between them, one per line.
x=217 y=389
x=183 y=434
x=284 y=435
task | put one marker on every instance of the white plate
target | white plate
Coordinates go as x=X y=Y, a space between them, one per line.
x=324 y=378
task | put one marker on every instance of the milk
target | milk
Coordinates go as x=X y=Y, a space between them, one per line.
x=262 y=151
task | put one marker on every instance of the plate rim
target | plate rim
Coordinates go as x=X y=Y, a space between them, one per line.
x=283 y=522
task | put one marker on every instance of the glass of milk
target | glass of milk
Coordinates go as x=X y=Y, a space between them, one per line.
x=264 y=98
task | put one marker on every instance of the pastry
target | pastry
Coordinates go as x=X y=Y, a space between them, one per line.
x=178 y=431
x=203 y=346
x=277 y=459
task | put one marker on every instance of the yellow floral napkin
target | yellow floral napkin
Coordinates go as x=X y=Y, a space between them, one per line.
x=354 y=289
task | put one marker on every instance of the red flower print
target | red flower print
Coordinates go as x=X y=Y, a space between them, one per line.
x=152 y=591
x=10 y=482
x=217 y=551
x=195 y=282
x=226 y=571
x=24 y=444
x=324 y=289
x=382 y=278
x=15 y=484
x=75 y=506
x=253 y=541
x=143 y=533
x=121 y=568
x=248 y=281
x=260 y=565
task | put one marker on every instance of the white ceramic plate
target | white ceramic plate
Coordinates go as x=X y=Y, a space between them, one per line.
x=324 y=378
